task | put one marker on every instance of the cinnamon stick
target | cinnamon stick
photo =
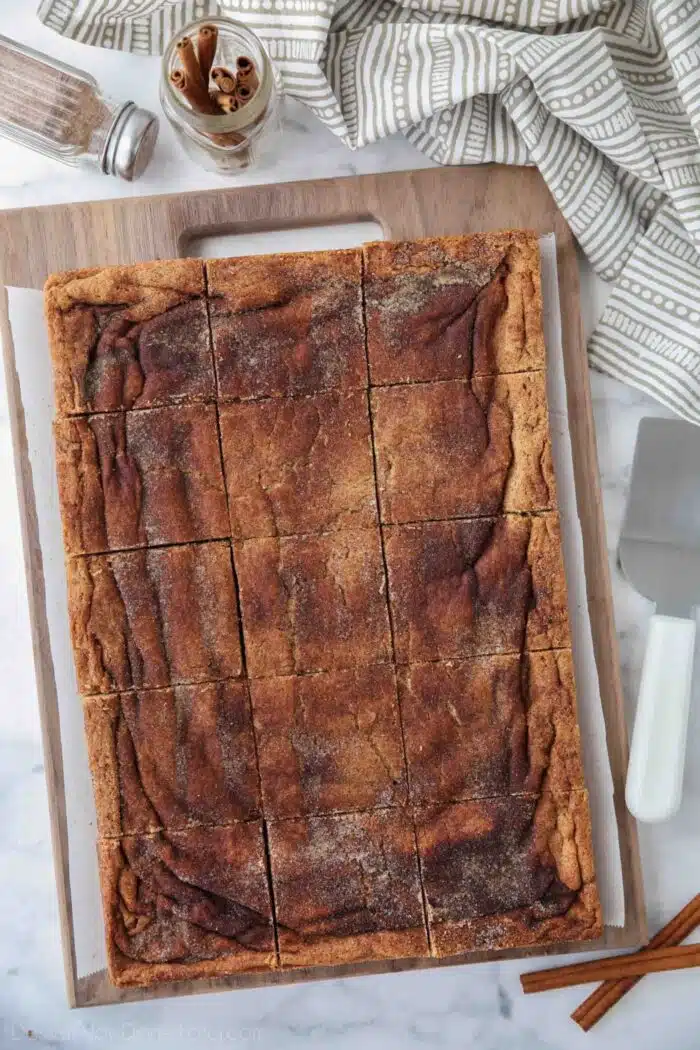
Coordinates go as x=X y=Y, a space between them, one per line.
x=207 y=39
x=611 y=992
x=226 y=103
x=224 y=79
x=188 y=60
x=194 y=93
x=244 y=93
x=246 y=72
x=179 y=80
x=657 y=960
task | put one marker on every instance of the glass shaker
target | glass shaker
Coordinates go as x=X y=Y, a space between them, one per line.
x=60 y=112
x=221 y=94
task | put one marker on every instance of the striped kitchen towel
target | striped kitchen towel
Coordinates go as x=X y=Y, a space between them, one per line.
x=602 y=95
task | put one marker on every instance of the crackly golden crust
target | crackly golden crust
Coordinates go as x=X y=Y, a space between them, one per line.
x=299 y=465
x=313 y=603
x=329 y=742
x=172 y=758
x=140 y=479
x=508 y=872
x=493 y=725
x=461 y=448
x=129 y=336
x=346 y=888
x=450 y=307
x=186 y=904
x=287 y=324
x=152 y=618
x=469 y=588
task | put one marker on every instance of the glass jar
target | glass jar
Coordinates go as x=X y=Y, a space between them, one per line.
x=226 y=143
x=60 y=112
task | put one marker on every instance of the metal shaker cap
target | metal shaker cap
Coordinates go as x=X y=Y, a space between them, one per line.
x=130 y=142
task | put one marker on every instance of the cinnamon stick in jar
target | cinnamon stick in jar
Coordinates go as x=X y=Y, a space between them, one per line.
x=207 y=39
x=246 y=73
x=226 y=103
x=244 y=93
x=189 y=61
x=224 y=79
x=193 y=92
x=210 y=107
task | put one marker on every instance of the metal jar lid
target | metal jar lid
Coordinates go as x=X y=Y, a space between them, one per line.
x=130 y=142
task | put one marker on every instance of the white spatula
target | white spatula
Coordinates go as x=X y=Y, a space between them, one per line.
x=660 y=555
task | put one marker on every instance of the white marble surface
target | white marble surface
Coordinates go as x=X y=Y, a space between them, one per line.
x=477 y=1007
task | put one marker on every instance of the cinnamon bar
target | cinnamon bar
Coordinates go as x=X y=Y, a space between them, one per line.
x=493 y=725
x=129 y=337
x=172 y=758
x=508 y=872
x=346 y=888
x=313 y=603
x=151 y=618
x=186 y=904
x=453 y=307
x=329 y=742
x=287 y=324
x=459 y=449
x=299 y=465
x=140 y=479
x=466 y=588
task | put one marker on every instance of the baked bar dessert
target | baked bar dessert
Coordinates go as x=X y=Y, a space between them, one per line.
x=129 y=337
x=140 y=479
x=151 y=618
x=318 y=607
x=313 y=603
x=172 y=758
x=287 y=324
x=453 y=307
x=329 y=742
x=461 y=449
x=508 y=872
x=494 y=725
x=465 y=588
x=186 y=904
x=347 y=888
x=299 y=465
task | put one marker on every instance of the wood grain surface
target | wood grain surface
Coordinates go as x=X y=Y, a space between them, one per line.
x=38 y=241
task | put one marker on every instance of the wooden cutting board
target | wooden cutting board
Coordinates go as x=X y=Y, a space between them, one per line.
x=38 y=241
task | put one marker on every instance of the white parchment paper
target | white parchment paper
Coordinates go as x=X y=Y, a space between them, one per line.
x=35 y=380
x=606 y=843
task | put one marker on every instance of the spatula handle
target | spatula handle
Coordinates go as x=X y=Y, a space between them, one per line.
x=657 y=756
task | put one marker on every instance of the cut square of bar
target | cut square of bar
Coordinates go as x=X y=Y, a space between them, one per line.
x=470 y=588
x=453 y=307
x=494 y=725
x=329 y=742
x=129 y=337
x=172 y=758
x=313 y=603
x=346 y=888
x=140 y=479
x=151 y=618
x=186 y=904
x=287 y=324
x=299 y=465
x=460 y=449
x=508 y=873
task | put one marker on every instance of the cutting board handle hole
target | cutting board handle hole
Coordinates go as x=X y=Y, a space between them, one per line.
x=220 y=242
